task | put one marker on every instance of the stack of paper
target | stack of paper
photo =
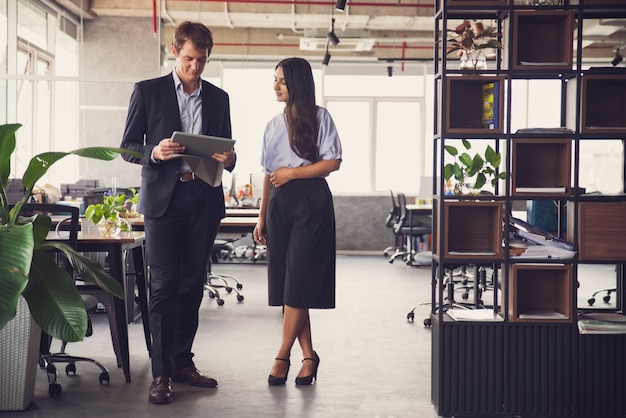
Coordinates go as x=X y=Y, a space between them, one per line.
x=602 y=323
x=459 y=314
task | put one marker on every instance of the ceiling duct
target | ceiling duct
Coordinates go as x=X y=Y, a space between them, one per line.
x=315 y=40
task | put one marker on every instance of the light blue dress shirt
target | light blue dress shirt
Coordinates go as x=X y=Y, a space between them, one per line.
x=190 y=109
x=276 y=151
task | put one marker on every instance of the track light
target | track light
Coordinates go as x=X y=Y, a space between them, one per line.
x=331 y=35
x=618 y=58
x=333 y=38
x=341 y=5
x=326 y=59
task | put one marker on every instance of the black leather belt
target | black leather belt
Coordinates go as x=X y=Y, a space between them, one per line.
x=188 y=176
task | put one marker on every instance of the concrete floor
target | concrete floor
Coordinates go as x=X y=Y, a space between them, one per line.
x=374 y=363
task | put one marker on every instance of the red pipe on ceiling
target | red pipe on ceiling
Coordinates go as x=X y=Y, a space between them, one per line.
x=321 y=3
x=295 y=45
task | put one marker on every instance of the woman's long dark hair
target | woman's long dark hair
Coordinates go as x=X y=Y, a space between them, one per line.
x=301 y=110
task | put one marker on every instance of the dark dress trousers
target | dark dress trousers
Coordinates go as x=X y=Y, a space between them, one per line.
x=181 y=218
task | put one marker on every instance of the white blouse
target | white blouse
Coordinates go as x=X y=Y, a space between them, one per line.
x=277 y=153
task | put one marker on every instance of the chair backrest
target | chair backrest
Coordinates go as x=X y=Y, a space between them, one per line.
x=402 y=214
x=64 y=213
x=394 y=212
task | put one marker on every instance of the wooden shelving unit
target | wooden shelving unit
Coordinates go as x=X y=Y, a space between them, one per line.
x=541 y=163
x=540 y=293
x=464 y=99
x=603 y=108
x=532 y=361
x=542 y=41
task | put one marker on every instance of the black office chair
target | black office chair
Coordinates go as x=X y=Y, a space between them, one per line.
x=225 y=250
x=390 y=221
x=407 y=234
x=47 y=359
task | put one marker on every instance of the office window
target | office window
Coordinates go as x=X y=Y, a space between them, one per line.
x=355 y=173
x=32 y=24
x=398 y=158
x=4 y=45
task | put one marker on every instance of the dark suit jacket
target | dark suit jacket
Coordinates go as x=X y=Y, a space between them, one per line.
x=152 y=116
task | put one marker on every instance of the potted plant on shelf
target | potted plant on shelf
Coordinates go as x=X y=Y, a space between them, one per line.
x=29 y=275
x=480 y=168
x=471 y=43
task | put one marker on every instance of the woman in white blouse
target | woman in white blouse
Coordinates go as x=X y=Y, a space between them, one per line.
x=297 y=221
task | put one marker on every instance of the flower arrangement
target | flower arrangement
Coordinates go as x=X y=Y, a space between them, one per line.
x=471 y=42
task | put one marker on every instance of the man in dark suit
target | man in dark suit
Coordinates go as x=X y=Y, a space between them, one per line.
x=181 y=212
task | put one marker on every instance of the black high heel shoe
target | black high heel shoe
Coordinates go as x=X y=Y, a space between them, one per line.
x=275 y=381
x=307 y=380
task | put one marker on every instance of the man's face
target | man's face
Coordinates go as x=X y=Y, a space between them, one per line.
x=190 y=62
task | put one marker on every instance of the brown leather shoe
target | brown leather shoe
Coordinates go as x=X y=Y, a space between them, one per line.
x=161 y=390
x=192 y=376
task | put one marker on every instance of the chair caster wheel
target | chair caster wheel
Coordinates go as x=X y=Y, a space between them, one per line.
x=240 y=298
x=239 y=286
x=212 y=295
x=70 y=369
x=410 y=316
x=229 y=289
x=427 y=322
x=54 y=389
x=220 y=302
x=104 y=378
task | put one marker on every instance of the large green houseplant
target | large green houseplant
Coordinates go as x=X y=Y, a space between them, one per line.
x=26 y=269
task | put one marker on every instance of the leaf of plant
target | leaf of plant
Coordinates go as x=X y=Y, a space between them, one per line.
x=451 y=150
x=54 y=302
x=480 y=181
x=16 y=244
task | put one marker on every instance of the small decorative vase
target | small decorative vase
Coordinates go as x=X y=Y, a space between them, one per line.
x=473 y=59
x=465 y=189
x=109 y=227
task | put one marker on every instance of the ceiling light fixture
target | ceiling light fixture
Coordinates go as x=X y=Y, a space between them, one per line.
x=326 y=59
x=618 y=58
x=331 y=35
x=341 y=5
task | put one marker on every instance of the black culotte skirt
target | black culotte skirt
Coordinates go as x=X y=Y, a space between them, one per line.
x=300 y=231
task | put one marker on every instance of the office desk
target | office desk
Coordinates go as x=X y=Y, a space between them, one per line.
x=115 y=247
x=237 y=211
x=238 y=224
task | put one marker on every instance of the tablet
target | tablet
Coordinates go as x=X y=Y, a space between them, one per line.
x=202 y=145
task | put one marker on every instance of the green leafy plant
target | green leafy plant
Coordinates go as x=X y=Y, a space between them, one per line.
x=111 y=208
x=26 y=267
x=465 y=166
x=131 y=204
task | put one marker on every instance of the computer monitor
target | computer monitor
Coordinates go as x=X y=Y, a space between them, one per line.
x=426 y=188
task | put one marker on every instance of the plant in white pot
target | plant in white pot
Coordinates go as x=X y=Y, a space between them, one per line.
x=27 y=270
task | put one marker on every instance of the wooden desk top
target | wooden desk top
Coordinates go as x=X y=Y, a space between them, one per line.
x=94 y=237
x=240 y=221
x=237 y=211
